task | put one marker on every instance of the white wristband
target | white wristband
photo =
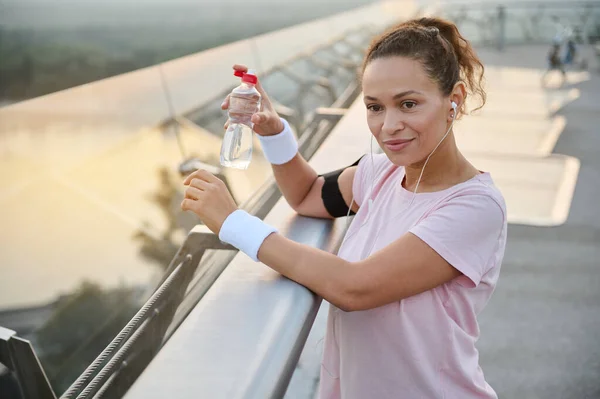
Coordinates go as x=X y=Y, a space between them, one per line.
x=280 y=148
x=245 y=232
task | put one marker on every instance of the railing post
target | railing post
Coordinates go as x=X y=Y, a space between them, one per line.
x=18 y=355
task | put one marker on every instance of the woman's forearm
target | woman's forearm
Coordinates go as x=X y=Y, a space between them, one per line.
x=295 y=178
x=327 y=275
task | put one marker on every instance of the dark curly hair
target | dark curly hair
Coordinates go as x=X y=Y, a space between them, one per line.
x=445 y=54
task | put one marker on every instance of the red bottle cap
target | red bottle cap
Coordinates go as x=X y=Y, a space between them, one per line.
x=247 y=77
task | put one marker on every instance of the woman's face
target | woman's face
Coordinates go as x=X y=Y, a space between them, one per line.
x=406 y=112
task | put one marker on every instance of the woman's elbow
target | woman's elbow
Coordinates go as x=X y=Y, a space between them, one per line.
x=310 y=211
x=299 y=209
x=350 y=303
x=352 y=295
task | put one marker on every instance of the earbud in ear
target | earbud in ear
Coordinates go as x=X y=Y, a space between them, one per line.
x=454 y=106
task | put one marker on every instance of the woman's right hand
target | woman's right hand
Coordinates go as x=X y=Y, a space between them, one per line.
x=266 y=121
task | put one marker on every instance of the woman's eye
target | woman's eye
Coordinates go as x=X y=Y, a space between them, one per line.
x=374 y=107
x=409 y=104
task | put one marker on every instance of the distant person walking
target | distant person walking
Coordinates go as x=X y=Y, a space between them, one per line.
x=555 y=63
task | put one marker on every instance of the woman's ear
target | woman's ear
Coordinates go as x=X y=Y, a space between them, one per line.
x=459 y=96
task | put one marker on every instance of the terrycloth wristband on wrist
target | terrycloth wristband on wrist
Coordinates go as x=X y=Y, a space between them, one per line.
x=280 y=148
x=245 y=232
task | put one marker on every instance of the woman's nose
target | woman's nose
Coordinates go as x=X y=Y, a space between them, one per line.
x=392 y=123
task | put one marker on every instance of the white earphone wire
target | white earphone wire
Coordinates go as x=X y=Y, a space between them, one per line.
x=370 y=200
x=430 y=154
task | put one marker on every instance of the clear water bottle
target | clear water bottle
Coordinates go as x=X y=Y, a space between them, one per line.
x=244 y=101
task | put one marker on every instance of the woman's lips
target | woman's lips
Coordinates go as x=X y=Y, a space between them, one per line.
x=398 y=144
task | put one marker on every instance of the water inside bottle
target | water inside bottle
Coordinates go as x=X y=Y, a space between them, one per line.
x=236 y=151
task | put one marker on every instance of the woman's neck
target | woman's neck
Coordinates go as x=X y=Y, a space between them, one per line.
x=446 y=168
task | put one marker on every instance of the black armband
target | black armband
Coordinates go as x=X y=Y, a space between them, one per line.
x=331 y=194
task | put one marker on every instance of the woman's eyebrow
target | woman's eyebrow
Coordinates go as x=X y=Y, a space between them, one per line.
x=397 y=96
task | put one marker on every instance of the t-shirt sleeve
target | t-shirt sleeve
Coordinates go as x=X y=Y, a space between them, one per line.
x=465 y=231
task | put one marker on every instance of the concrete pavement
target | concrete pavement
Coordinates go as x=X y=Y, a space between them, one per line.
x=540 y=333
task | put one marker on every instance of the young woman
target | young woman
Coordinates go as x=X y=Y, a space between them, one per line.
x=422 y=255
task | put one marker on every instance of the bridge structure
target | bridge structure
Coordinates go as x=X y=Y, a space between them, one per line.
x=214 y=323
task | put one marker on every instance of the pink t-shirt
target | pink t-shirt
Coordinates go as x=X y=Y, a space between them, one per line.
x=422 y=346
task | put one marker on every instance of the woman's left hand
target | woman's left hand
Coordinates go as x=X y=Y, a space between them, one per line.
x=208 y=197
